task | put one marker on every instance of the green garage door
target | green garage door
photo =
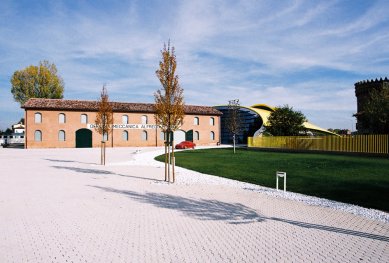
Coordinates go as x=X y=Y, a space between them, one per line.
x=189 y=136
x=83 y=138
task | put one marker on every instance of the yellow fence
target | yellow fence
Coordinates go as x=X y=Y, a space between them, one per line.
x=377 y=144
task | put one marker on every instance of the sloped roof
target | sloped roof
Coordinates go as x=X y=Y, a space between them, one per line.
x=85 y=105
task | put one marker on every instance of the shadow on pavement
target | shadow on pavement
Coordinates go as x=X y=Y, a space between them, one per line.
x=101 y=172
x=201 y=209
x=232 y=213
x=332 y=229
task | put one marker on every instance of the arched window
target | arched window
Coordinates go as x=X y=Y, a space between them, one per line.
x=144 y=119
x=196 y=121
x=144 y=135
x=61 y=136
x=212 y=136
x=61 y=118
x=162 y=135
x=38 y=117
x=212 y=121
x=196 y=135
x=84 y=118
x=105 y=137
x=125 y=119
x=125 y=135
x=38 y=136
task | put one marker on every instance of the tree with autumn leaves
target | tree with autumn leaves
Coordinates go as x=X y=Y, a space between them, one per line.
x=169 y=104
x=104 y=120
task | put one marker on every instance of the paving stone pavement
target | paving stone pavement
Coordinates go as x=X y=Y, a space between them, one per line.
x=59 y=205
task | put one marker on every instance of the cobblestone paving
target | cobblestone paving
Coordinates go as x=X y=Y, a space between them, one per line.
x=59 y=205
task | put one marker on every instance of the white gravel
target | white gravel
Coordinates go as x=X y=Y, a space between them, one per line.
x=145 y=156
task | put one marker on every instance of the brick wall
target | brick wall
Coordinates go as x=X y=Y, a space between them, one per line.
x=50 y=127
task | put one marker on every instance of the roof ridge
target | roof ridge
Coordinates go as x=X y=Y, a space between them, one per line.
x=89 y=105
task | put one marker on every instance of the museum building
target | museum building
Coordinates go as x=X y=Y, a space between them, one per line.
x=59 y=123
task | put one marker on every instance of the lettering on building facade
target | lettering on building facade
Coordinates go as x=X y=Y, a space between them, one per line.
x=91 y=126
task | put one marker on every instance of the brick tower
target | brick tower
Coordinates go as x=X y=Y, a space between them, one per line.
x=362 y=92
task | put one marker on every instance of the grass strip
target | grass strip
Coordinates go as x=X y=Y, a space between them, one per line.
x=363 y=181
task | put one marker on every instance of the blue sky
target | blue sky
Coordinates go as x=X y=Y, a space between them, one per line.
x=304 y=53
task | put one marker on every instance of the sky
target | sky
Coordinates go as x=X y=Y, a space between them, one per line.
x=303 y=53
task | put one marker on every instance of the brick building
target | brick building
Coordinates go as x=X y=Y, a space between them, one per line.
x=362 y=92
x=58 y=123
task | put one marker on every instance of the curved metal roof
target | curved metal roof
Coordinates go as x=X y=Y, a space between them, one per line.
x=263 y=106
x=264 y=111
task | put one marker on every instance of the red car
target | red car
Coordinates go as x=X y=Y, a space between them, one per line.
x=186 y=145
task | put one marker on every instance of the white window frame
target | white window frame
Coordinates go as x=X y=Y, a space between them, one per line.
x=86 y=118
x=60 y=134
x=125 y=136
x=144 y=136
x=212 y=136
x=144 y=119
x=125 y=119
x=212 y=121
x=38 y=117
x=196 y=121
x=61 y=118
x=196 y=135
x=36 y=138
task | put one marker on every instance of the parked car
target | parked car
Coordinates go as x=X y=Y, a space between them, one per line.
x=186 y=145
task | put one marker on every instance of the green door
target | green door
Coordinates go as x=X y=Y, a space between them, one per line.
x=189 y=136
x=83 y=138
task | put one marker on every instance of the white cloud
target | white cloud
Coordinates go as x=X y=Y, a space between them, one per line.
x=258 y=51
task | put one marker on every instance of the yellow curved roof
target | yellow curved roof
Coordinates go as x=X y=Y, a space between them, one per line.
x=264 y=112
x=263 y=106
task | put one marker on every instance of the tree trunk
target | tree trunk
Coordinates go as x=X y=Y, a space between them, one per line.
x=174 y=163
x=102 y=153
x=168 y=159
x=165 y=161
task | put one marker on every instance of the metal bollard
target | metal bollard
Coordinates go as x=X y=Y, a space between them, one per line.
x=281 y=174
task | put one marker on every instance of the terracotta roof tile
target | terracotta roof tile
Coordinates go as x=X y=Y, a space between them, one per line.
x=85 y=105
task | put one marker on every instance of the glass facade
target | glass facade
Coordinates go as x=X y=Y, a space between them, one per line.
x=250 y=122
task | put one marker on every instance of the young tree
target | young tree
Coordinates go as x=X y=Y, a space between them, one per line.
x=284 y=121
x=40 y=81
x=104 y=120
x=169 y=103
x=233 y=120
x=376 y=112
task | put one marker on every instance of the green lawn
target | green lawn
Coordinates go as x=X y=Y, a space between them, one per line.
x=357 y=180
